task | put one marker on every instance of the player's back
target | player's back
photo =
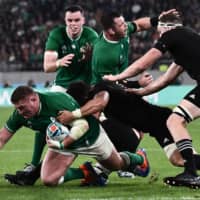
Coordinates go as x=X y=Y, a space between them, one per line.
x=132 y=109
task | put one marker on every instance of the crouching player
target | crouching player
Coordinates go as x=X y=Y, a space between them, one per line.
x=34 y=109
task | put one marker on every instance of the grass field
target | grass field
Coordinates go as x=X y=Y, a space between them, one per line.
x=19 y=150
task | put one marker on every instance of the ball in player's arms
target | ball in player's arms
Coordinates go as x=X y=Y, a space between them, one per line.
x=56 y=131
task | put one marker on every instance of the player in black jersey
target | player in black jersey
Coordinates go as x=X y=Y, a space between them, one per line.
x=130 y=109
x=183 y=44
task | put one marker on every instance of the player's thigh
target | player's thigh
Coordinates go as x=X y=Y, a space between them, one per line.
x=113 y=162
x=122 y=136
x=55 y=164
x=190 y=105
x=192 y=109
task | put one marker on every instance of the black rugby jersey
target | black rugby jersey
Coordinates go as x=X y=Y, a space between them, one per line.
x=131 y=109
x=183 y=44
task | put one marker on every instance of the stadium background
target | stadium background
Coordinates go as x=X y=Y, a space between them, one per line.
x=25 y=25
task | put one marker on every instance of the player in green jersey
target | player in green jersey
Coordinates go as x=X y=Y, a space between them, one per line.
x=68 y=50
x=86 y=136
x=110 y=53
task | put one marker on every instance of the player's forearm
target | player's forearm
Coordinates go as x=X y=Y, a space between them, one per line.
x=78 y=129
x=143 y=23
x=51 y=66
x=51 y=63
x=4 y=137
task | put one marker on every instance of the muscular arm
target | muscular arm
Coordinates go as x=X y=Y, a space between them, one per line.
x=143 y=24
x=5 y=135
x=97 y=104
x=138 y=66
x=171 y=74
x=50 y=58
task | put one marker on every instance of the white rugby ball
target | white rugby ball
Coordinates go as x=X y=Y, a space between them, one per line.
x=57 y=131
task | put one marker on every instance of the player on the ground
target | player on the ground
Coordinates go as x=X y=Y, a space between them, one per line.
x=133 y=111
x=86 y=136
x=127 y=139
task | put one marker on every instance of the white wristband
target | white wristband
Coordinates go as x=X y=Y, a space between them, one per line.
x=77 y=113
x=79 y=128
x=57 y=63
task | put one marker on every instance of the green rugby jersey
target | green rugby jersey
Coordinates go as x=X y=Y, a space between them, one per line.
x=111 y=57
x=51 y=104
x=60 y=42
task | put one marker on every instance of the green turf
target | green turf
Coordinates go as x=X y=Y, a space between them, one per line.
x=18 y=151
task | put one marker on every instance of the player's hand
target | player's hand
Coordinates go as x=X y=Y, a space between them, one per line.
x=86 y=52
x=66 y=60
x=169 y=15
x=65 y=117
x=110 y=77
x=52 y=143
x=145 y=78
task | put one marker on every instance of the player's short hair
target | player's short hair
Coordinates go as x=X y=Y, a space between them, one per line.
x=20 y=93
x=107 y=18
x=74 y=8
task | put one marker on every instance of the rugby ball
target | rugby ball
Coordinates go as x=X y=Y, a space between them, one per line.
x=56 y=131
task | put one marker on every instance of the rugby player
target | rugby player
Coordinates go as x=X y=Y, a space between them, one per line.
x=133 y=111
x=86 y=136
x=183 y=44
x=68 y=53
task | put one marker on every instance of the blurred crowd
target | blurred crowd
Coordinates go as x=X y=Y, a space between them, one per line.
x=25 y=25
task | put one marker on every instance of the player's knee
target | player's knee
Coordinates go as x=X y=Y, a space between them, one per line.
x=169 y=122
x=48 y=181
x=175 y=120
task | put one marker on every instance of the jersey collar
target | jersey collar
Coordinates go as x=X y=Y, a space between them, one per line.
x=109 y=41
x=75 y=38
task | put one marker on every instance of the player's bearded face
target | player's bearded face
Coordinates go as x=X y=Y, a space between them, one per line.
x=120 y=27
x=74 y=22
x=28 y=107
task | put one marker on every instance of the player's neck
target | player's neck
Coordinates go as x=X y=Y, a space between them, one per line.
x=110 y=38
x=73 y=36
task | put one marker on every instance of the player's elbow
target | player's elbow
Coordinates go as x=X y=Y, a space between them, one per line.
x=102 y=99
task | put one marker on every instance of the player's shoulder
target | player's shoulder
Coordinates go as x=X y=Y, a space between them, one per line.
x=101 y=42
x=88 y=30
x=58 y=30
x=176 y=32
x=50 y=95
